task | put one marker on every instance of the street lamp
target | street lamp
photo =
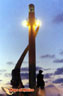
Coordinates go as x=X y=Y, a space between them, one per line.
x=25 y=23
x=32 y=23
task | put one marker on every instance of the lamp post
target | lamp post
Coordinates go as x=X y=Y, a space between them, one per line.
x=32 y=53
x=32 y=23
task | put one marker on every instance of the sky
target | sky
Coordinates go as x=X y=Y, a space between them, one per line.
x=49 y=40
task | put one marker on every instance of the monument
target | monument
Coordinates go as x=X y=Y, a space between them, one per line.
x=16 y=81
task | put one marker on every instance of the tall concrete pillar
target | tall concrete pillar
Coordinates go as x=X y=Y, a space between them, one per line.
x=32 y=54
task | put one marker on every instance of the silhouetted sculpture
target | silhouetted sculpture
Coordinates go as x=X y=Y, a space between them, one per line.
x=17 y=68
x=40 y=81
x=16 y=81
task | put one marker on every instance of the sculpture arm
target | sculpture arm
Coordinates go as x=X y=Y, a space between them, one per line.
x=19 y=63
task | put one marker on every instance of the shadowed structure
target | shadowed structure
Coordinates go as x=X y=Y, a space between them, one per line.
x=18 y=68
x=16 y=81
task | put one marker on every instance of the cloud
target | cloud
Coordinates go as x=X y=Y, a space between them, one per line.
x=59 y=71
x=25 y=72
x=0 y=80
x=39 y=68
x=26 y=62
x=10 y=63
x=60 y=80
x=48 y=56
x=24 y=76
x=26 y=69
x=0 y=73
x=48 y=75
x=47 y=69
x=58 y=61
x=3 y=70
x=58 y=18
x=7 y=75
x=61 y=53
x=46 y=81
